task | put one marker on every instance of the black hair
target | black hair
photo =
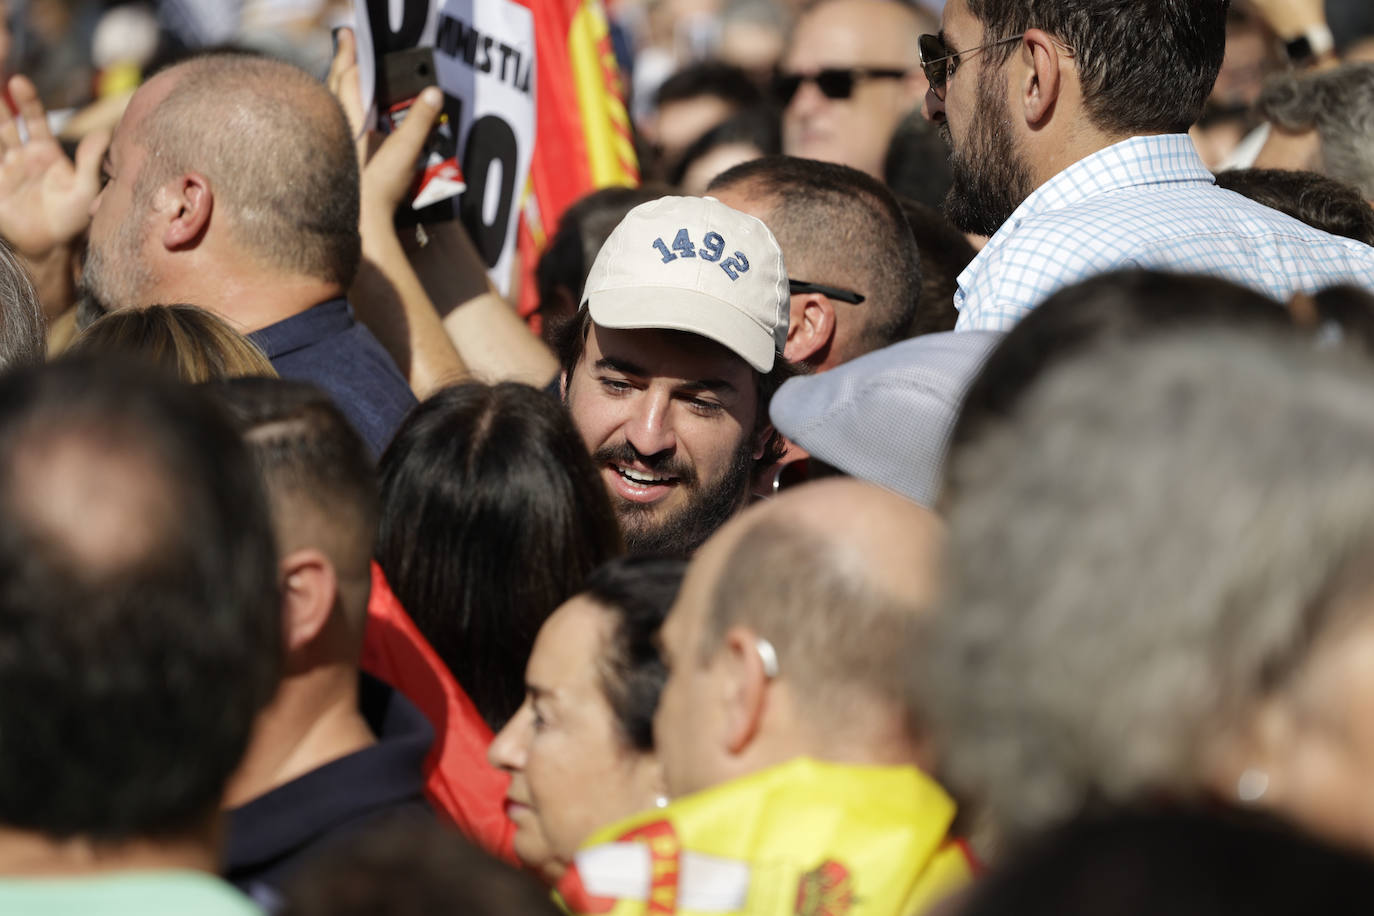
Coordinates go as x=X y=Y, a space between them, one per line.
x=709 y=78
x=1183 y=862
x=413 y=867
x=760 y=126
x=838 y=222
x=134 y=668
x=570 y=341
x=1119 y=305
x=1125 y=51
x=944 y=253
x=917 y=164
x=492 y=515
x=1321 y=202
x=637 y=591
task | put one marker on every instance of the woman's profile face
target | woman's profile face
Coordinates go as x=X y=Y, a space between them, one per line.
x=571 y=769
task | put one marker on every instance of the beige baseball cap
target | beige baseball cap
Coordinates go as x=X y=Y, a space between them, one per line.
x=693 y=264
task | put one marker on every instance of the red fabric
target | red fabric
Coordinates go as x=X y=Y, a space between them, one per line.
x=560 y=171
x=461 y=783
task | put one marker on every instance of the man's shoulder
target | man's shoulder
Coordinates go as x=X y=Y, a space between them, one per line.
x=125 y=893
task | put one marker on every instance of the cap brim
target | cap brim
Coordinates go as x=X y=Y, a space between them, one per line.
x=672 y=308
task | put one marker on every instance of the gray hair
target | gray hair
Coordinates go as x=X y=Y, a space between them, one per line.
x=23 y=329
x=1339 y=104
x=1147 y=548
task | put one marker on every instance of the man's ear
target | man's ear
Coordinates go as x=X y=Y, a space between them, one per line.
x=563 y=384
x=185 y=205
x=810 y=328
x=1043 y=78
x=746 y=685
x=309 y=588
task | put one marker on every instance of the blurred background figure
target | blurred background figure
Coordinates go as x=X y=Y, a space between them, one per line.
x=1187 y=862
x=492 y=516
x=1322 y=122
x=689 y=104
x=851 y=72
x=190 y=343
x=580 y=750
x=1178 y=521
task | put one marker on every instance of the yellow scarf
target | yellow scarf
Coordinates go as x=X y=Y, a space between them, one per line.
x=802 y=839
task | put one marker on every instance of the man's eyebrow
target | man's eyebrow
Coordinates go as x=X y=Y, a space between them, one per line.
x=625 y=367
x=536 y=692
x=621 y=365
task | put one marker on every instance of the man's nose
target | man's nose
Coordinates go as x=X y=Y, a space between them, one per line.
x=808 y=99
x=650 y=429
x=934 y=108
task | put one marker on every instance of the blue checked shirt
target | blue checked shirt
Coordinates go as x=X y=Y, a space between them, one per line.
x=1146 y=202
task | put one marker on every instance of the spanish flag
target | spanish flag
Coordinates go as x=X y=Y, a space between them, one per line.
x=582 y=123
x=805 y=838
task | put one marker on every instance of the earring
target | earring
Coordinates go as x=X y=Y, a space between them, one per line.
x=661 y=801
x=1252 y=785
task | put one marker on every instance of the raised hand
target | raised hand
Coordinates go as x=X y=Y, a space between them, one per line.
x=1291 y=18
x=45 y=198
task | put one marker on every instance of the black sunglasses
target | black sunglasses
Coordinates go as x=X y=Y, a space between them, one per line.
x=830 y=292
x=939 y=60
x=834 y=83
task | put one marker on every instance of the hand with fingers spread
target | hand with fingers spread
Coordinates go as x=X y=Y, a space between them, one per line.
x=45 y=198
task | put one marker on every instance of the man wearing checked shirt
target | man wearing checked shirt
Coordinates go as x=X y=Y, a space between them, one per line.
x=1067 y=121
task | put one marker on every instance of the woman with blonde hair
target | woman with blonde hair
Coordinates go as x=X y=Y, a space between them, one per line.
x=193 y=344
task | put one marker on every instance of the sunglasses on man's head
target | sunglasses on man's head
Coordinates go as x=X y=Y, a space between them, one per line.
x=833 y=82
x=830 y=292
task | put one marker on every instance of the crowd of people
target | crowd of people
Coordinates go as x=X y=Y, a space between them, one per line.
x=937 y=488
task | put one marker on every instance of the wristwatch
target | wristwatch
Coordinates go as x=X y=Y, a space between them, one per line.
x=1311 y=45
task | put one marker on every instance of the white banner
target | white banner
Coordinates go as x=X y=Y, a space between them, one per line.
x=485 y=60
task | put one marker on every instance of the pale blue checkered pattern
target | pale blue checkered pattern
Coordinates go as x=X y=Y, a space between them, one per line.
x=1147 y=202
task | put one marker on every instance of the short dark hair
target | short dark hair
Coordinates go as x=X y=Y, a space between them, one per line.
x=1139 y=862
x=307 y=452
x=287 y=172
x=709 y=78
x=842 y=228
x=492 y=515
x=944 y=253
x=570 y=341
x=1321 y=202
x=1125 y=53
x=1119 y=305
x=638 y=592
x=23 y=340
x=134 y=667
x=413 y=867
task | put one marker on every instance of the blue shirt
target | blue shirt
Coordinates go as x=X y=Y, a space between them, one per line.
x=325 y=346
x=1147 y=202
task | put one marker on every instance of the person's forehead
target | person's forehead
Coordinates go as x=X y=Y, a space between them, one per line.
x=141 y=105
x=958 y=25
x=675 y=355
x=850 y=33
x=568 y=645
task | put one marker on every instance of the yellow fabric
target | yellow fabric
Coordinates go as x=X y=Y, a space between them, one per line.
x=808 y=838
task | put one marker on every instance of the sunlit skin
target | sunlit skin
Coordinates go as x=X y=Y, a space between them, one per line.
x=685 y=405
x=571 y=769
x=854 y=131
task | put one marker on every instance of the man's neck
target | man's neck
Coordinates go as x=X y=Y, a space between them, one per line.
x=313 y=720
x=33 y=855
x=248 y=297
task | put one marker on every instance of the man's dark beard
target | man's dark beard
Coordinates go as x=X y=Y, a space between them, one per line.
x=990 y=179
x=708 y=508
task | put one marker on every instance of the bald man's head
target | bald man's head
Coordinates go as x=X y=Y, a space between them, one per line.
x=828 y=583
x=278 y=153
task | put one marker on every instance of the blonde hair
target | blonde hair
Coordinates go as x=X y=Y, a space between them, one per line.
x=195 y=345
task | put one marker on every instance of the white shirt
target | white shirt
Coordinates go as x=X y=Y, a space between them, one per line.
x=1147 y=202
